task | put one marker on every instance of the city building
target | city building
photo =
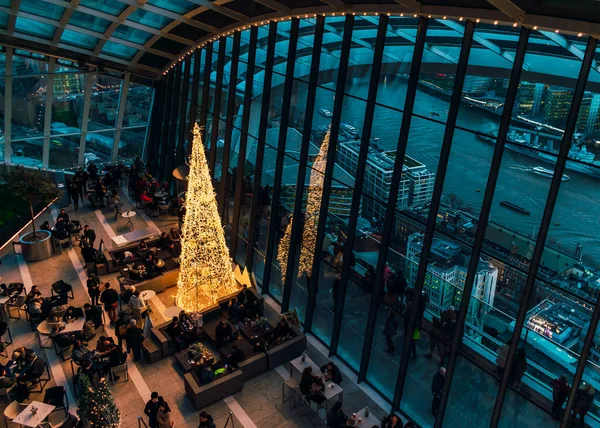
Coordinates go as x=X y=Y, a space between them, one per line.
x=415 y=187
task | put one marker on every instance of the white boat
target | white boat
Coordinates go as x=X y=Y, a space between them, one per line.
x=547 y=173
x=325 y=112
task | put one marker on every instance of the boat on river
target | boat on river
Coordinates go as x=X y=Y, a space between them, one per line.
x=515 y=207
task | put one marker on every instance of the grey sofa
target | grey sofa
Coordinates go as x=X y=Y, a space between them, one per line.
x=202 y=395
x=165 y=343
x=157 y=284
x=288 y=350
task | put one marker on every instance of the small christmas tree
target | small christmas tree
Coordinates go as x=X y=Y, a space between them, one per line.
x=97 y=407
x=205 y=267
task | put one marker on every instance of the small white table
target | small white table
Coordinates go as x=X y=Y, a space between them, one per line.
x=332 y=390
x=147 y=295
x=300 y=365
x=160 y=194
x=33 y=420
x=367 y=422
x=45 y=328
x=128 y=215
x=171 y=312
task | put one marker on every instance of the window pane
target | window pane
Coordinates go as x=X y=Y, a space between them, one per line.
x=46 y=10
x=34 y=28
x=113 y=7
x=98 y=146
x=119 y=50
x=132 y=143
x=27 y=152
x=23 y=65
x=64 y=151
x=94 y=23
x=67 y=104
x=132 y=34
x=78 y=39
x=177 y=6
x=28 y=107
x=138 y=105
x=104 y=105
x=148 y=18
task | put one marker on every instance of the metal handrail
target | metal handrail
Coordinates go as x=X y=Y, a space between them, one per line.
x=141 y=422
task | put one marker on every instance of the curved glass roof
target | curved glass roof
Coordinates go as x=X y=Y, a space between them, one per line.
x=146 y=36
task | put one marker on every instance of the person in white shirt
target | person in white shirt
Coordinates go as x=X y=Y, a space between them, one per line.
x=138 y=306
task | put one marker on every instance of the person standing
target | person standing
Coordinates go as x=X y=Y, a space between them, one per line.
x=389 y=331
x=437 y=386
x=90 y=234
x=335 y=290
x=82 y=181
x=74 y=193
x=93 y=287
x=151 y=410
x=206 y=421
x=110 y=299
x=560 y=392
x=583 y=401
x=164 y=415
x=134 y=338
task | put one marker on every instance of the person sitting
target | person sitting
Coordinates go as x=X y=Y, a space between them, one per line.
x=224 y=333
x=249 y=302
x=103 y=345
x=306 y=380
x=150 y=263
x=145 y=198
x=235 y=357
x=236 y=312
x=33 y=369
x=64 y=340
x=35 y=307
x=280 y=333
x=60 y=230
x=80 y=353
x=174 y=235
x=124 y=257
x=94 y=314
x=72 y=314
x=45 y=226
x=188 y=326
x=6 y=380
x=260 y=322
x=176 y=333
x=336 y=418
x=171 y=246
x=332 y=373
x=63 y=216
x=142 y=248
x=34 y=293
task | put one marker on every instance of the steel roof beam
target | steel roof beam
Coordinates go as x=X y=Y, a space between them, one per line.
x=509 y=9
x=565 y=44
x=483 y=41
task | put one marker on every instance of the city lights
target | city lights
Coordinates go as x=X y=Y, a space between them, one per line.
x=205 y=267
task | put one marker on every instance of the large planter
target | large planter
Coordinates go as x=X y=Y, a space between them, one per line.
x=37 y=248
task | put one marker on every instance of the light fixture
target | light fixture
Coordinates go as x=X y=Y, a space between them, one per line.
x=579 y=34
x=535 y=27
x=556 y=31
x=477 y=20
x=495 y=22
x=515 y=24
x=460 y=19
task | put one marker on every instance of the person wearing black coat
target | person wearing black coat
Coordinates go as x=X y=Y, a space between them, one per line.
x=151 y=410
x=224 y=333
x=33 y=369
x=437 y=386
x=206 y=421
x=332 y=373
x=90 y=234
x=391 y=421
x=336 y=418
x=94 y=314
x=110 y=299
x=134 y=338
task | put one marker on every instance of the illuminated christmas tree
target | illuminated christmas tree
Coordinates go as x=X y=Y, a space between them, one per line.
x=205 y=267
x=313 y=205
x=97 y=407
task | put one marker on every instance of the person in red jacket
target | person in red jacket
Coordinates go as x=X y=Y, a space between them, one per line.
x=145 y=198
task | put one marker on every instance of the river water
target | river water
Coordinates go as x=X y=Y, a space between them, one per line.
x=575 y=218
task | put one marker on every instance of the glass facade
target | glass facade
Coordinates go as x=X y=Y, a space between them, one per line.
x=449 y=220
x=51 y=111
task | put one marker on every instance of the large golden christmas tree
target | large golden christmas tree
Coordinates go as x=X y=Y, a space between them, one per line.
x=205 y=267
x=313 y=205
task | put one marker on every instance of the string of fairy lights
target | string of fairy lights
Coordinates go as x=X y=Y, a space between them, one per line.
x=205 y=266
x=311 y=221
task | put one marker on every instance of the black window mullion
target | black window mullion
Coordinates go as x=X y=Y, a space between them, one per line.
x=239 y=183
x=513 y=87
x=158 y=113
x=162 y=148
x=545 y=224
x=194 y=102
x=338 y=105
x=180 y=152
x=212 y=152
x=455 y=100
x=205 y=90
x=223 y=185
x=172 y=139
x=409 y=103
x=359 y=180
x=300 y=181
x=262 y=136
x=274 y=220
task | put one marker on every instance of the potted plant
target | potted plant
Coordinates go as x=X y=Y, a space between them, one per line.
x=32 y=187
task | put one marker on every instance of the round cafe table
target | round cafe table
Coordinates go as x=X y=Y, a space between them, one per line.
x=147 y=295
x=129 y=215
x=160 y=263
x=171 y=312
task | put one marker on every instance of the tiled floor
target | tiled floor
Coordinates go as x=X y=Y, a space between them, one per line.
x=259 y=404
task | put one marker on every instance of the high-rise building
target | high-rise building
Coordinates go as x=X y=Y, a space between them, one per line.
x=477 y=85
x=416 y=184
x=446 y=277
x=557 y=105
